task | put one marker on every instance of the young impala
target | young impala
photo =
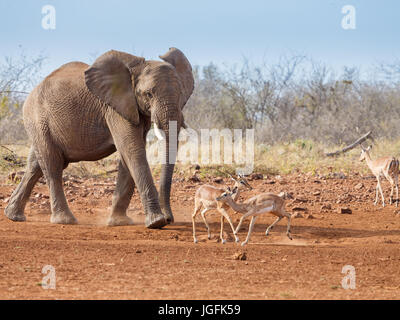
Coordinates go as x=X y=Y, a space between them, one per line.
x=387 y=166
x=205 y=197
x=255 y=206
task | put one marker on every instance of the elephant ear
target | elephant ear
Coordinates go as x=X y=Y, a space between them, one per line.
x=182 y=65
x=110 y=79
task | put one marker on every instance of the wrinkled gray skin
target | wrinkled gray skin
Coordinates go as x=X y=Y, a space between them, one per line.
x=82 y=112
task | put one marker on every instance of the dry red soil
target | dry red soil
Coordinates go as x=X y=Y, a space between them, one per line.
x=93 y=261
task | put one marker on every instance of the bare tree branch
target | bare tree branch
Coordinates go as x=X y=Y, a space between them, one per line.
x=13 y=91
x=351 y=146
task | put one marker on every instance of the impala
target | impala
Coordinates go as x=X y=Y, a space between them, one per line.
x=205 y=197
x=386 y=166
x=255 y=206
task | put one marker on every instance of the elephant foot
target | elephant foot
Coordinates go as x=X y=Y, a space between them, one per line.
x=168 y=216
x=155 y=220
x=14 y=214
x=63 y=218
x=119 y=220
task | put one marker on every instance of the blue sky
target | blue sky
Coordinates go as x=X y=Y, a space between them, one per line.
x=206 y=31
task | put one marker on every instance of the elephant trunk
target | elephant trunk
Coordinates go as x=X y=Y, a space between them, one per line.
x=165 y=191
x=171 y=131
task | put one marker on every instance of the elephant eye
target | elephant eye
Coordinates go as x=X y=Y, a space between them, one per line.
x=149 y=95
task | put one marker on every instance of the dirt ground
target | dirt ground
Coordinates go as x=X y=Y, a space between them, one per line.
x=93 y=261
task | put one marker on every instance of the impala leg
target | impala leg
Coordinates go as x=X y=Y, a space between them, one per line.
x=248 y=214
x=222 y=230
x=289 y=217
x=377 y=194
x=252 y=222
x=203 y=212
x=396 y=181
x=227 y=217
x=380 y=190
x=239 y=225
x=272 y=225
x=391 y=181
x=196 y=210
x=391 y=194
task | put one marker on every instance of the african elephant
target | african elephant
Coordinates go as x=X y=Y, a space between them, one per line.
x=85 y=113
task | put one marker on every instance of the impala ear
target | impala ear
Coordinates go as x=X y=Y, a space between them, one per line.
x=110 y=80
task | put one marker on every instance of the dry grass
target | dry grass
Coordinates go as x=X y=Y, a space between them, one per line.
x=308 y=156
x=298 y=156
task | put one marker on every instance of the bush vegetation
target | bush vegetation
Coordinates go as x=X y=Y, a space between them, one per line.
x=299 y=109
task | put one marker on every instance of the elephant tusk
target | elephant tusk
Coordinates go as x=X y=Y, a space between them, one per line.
x=159 y=134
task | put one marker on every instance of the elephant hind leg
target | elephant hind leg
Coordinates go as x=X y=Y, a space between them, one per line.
x=16 y=206
x=122 y=197
x=52 y=162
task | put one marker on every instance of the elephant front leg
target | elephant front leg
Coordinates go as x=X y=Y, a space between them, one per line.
x=140 y=171
x=129 y=142
x=122 y=195
x=149 y=197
